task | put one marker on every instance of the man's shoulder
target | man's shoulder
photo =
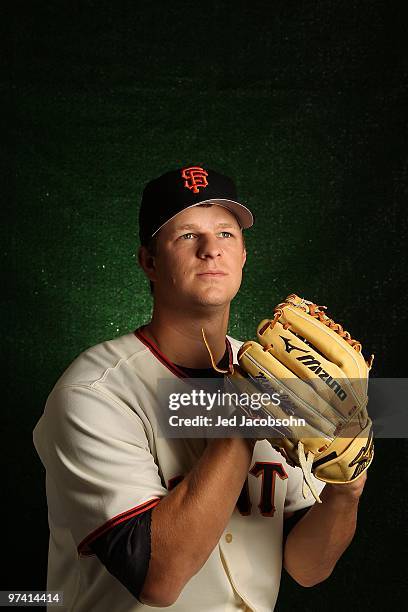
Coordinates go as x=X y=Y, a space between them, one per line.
x=98 y=361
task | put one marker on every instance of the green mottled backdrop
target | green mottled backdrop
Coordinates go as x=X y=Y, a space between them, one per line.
x=304 y=103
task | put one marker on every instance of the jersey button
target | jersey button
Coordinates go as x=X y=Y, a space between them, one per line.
x=228 y=537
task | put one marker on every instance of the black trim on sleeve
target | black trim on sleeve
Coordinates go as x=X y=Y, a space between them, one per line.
x=125 y=551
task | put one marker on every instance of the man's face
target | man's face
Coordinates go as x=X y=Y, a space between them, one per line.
x=199 y=258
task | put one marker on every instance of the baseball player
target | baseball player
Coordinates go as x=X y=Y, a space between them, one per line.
x=138 y=520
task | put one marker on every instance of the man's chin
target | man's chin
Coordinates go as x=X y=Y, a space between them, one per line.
x=213 y=298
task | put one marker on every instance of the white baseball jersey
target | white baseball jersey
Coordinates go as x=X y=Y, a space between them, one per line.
x=105 y=463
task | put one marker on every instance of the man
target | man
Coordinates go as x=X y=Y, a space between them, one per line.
x=137 y=520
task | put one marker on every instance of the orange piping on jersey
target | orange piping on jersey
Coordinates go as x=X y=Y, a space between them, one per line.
x=83 y=547
x=157 y=353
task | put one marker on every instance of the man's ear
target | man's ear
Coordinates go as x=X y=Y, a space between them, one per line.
x=244 y=257
x=147 y=263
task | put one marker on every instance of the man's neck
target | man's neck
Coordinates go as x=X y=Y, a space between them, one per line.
x=179 y=337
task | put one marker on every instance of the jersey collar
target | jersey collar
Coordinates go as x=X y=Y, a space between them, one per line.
x=153 y=348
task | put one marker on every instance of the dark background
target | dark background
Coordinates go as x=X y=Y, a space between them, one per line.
x=304 y=104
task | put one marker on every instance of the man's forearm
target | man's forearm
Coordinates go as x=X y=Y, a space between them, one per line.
x=318 y=540
x=188 y=523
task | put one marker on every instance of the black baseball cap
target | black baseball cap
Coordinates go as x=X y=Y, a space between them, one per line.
x=166 y=196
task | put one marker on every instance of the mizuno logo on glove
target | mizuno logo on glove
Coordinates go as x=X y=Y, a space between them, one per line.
x=315 y=366
x=291 y=347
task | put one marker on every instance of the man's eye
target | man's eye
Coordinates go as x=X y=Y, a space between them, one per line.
x=226 y=234
x=187 y=236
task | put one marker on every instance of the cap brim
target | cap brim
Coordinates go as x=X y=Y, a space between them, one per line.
x=242 y=213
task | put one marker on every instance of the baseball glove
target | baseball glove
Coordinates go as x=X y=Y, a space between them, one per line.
x=322 y=378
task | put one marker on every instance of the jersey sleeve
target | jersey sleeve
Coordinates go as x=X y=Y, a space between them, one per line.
x=294 y=499
x=97 y=456
x=125 y=551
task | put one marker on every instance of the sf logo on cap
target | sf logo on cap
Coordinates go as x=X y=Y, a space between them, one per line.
x=195 y=178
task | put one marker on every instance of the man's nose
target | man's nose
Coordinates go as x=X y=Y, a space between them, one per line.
x=209 y=246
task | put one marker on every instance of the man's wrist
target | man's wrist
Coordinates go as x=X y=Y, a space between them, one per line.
x=350 y=491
